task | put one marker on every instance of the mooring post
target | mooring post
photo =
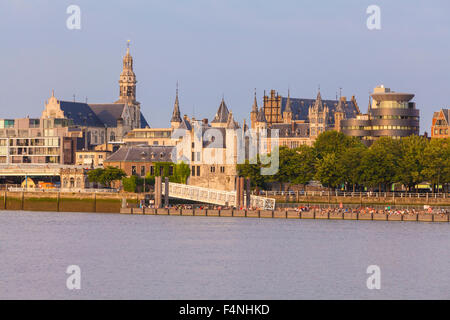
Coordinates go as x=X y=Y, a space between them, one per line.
x=166 y=192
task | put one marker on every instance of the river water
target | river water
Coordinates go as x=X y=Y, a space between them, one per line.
x=163 y=257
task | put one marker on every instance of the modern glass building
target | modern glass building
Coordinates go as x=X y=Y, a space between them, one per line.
x=390 y=114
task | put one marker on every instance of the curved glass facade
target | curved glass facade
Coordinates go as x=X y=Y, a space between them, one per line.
x=390 y=114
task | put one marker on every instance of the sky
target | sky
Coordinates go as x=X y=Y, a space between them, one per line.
x=216 y=48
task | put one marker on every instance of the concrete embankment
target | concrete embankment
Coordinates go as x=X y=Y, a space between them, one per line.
x=288 y=214
x=409 y=199
x=66 y=202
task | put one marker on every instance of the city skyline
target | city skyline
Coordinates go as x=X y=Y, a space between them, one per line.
x=260 y=46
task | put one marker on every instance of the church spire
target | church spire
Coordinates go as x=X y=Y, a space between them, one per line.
x=255 y=104
x=288 y=103
x=176 y=117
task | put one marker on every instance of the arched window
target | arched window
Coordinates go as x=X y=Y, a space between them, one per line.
x=78 y=185
x=72 y=182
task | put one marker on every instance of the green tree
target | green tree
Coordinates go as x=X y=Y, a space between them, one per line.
x=379 y=163
x=181 y=172
x=333 y=142
x=106 y=176
x=131 y=184
x=410 y=162
x=253 y=172
x=350 y=161
x=330 y=171
x=304 y=165
x=436 y=162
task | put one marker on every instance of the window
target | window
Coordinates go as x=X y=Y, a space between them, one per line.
x=198 y=156
x=198 y=171
x=193 y=171
x=142 y=171
x=222 y=169
x=193 y=156
x=152 y=170
x=213 y=169
x=133 y=171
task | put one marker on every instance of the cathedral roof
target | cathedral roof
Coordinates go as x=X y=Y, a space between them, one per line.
x=80 y=113
x=95 y=115
x=222 y=113
x=108 y=113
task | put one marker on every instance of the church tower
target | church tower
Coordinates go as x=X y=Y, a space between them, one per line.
x=127 y=91
x=127 y=81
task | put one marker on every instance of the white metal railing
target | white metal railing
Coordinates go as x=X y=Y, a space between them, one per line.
x=77 y=190
x=213 y=196
x=398 y=194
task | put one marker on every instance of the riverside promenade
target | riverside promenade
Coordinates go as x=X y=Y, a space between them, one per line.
x=363 y=213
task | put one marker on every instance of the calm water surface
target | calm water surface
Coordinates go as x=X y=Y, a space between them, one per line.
x=161 y=257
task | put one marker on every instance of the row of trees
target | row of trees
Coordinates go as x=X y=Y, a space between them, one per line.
x=178 y=173
x=337 y=160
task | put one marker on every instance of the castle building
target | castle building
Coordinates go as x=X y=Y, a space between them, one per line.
x=210 y=148
x=300 y=121
x=441 y=124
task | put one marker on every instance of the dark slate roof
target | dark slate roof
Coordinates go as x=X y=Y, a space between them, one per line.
x=108 y=113
x=144 y=123
x=292 y=130
x=446 y=113
x=261 y=116
x=142 y=153
x=300 y=108
x=80 y=113
x=222 y=114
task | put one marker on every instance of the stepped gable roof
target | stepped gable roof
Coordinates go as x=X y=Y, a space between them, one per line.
x=80 y=113
x=142 y=153
x=222 y=113
x=300 y=107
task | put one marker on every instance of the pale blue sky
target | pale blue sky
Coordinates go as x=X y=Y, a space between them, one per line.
x=215 y=47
